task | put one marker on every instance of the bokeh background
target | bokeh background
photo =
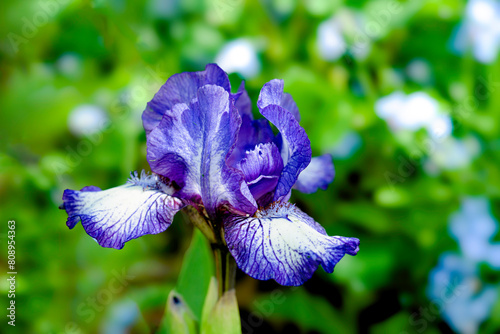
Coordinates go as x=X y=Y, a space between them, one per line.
x=404 y=94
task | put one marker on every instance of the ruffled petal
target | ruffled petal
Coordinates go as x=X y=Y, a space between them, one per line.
x=190 y=147
x=262 y=168
x=284 y=244
x=295 y=147
x=181 y=88
x=318 y=175
x=117 y=215
x=272 y=93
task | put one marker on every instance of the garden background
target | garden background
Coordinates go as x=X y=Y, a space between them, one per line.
x=404 y=94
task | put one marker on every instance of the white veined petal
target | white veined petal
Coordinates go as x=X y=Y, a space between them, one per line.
x=117 y=215
x=284 y=244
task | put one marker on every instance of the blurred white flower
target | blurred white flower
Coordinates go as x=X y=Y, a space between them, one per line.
x=70 y=65
x=239 y=56
x=452 y=153
x=419 y=71
x=480 y=30
x=462 y=298
x=341 y=33
x=330 y=42
x=86 y=119
x=412 y=112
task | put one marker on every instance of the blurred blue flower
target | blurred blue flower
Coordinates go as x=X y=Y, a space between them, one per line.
x=121 y=317
x=473 y=226
x=455 y=286
x=480 y=30
x=347 y=146
x=206 y=150
x=455 y=282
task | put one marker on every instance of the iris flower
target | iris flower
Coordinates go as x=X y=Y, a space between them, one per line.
x=207 y=151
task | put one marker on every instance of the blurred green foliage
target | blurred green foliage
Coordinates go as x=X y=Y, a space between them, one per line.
x=116 y=54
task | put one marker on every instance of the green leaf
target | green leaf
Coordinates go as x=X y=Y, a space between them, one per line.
x=211 y=299
x=398 y=323
x=197 y=269
x=220 y=316
x=178 y=317
x=310 y=312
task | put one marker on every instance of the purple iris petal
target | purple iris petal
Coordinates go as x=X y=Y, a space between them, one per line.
x=284 y=244
x=252 y=133
x=181 y=88
x=272 y=93
x=318 y=175
x=243 y=102
x=117 y=215
x=262 y=168
x=289 y=104
x=190 y=147
x=295 y=150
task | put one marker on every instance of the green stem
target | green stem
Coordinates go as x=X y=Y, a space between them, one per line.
x=225 y=268
x=200 y=222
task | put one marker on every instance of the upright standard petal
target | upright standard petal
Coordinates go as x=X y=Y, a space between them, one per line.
x=181 y=88
x=272 y=93
x=262 y=168
x=284 y=244
x=243 y=102
x=295 y=147
x=190 y=147
x=117 y=215
x=318 y=175
x=252 y=132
